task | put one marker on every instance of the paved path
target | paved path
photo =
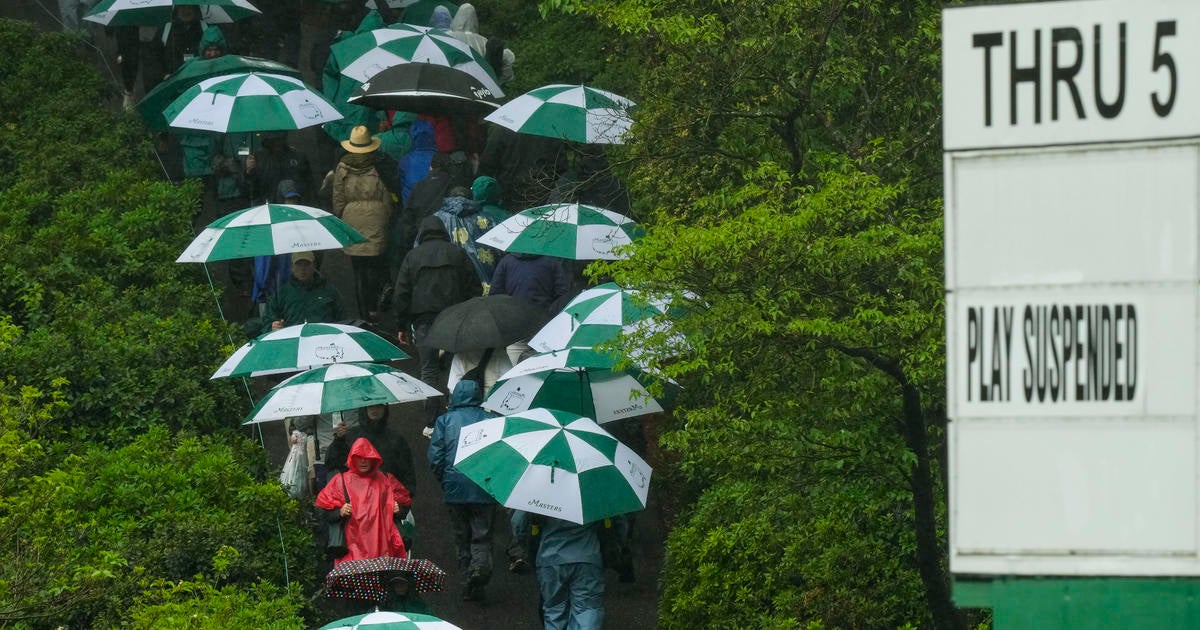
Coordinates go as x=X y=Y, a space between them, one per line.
x=511 y=599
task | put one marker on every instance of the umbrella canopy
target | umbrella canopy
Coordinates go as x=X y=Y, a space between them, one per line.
x=367 y=54
x=249 y=101
x=426 y=88
x=565 y=230
x=195 y=70
x=152 y=12
x=491 y=321
x=338 y=387
x=555 y=463
x=595 y=316
x=384 y=620
x=420 y=11
x=267 y=230
x=570 y=112
x=579 y=380
x=367 y=579
x=306 y=346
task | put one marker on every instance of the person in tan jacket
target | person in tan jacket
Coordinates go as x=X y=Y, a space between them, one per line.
x=362 y=197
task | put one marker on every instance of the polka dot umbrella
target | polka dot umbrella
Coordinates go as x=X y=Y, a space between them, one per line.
x=367 y=580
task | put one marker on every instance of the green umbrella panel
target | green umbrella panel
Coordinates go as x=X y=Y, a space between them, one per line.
x=195 y=70
x=556 y=463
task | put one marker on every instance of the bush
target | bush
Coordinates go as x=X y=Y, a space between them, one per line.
x=92 y=533
x=765 y=554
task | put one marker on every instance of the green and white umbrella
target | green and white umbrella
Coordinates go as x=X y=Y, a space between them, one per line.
x=154 y=12
x=565 y=230
x=555 y=463
x=364 y=55
x=569 y=112
x=579 y=380
x=597 y=315
x=385 y=620
x=339 y=387
x=249 y=101
x=306 y=346
x=269 y=229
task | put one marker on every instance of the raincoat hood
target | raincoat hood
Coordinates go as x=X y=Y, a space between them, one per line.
x=465 y=19
x=422 y=135
x=213 y=37
x=432 y=228
x=459 y=206
x=363 y=448
x=440 y=18
x=466 y=394
x=485 y=189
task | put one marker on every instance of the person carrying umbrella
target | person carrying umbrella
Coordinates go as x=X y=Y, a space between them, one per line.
x=465 y=222
x=306 y=297
x=472 y=510
x=435 y=275
x=367 y=500
x=570 y=570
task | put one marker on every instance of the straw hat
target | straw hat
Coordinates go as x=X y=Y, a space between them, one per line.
x=361 y=141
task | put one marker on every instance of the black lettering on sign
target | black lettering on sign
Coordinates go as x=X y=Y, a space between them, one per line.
x=987 y=41
x=1069 y=50
x=1092 y=346
x=1065 y=74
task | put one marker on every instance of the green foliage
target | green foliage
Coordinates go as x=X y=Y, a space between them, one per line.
x=774 y=554
x=201 y=606
x=89 y=535
x=86 y=244
x=565 y=49
x=787 y=153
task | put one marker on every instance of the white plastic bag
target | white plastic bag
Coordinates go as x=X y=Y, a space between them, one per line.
x=294 y=475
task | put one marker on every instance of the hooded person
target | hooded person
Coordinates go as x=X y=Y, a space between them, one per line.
x=485 y=191
x=472 y=510
x=435 y=275
x=465 y=28
x=415 y=165
x=367 y=500
x=440 y=18
x=465 y=222
x=373 y=425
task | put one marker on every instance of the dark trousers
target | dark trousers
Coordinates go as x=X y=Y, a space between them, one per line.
x=472 y=525
x=427 y=357
x=370 y=274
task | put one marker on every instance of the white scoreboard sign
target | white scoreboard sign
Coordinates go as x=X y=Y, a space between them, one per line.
x=1048 y=73
x=1072 y=139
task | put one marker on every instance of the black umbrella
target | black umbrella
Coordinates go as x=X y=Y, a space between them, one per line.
x=425 y=88
x=491 y=321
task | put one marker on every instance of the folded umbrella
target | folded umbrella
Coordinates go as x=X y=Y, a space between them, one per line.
x=491 y=321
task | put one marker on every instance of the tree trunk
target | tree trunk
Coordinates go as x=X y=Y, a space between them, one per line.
x=929 y=551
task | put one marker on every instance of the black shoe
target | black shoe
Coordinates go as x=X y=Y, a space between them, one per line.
x=518 y=565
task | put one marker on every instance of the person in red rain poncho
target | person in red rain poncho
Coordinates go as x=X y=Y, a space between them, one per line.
x=376 y=498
